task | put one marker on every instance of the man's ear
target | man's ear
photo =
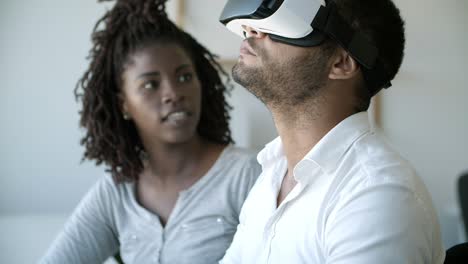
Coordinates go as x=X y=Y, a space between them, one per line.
x=343 y=66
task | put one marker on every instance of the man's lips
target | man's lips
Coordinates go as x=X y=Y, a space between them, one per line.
x=245 y=48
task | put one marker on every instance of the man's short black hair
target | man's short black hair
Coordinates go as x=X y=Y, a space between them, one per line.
x=381 y=23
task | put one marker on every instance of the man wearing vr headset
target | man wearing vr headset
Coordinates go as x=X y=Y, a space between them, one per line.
x=331 y=190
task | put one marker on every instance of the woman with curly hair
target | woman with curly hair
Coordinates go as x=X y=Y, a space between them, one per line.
x=154 y=112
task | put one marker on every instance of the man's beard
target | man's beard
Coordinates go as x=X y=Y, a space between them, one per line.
x=286 y=83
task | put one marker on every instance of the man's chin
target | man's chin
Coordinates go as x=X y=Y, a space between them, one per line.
x=250 y=78
x=238 y=73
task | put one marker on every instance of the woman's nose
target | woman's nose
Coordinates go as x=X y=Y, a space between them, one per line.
x=250 y=32
x=172 y=94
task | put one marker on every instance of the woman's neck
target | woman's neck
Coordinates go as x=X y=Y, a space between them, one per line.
x=171 y=160
x=180 y=164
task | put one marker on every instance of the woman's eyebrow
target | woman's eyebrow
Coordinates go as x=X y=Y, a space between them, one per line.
x=147 y=74
x=182 y=67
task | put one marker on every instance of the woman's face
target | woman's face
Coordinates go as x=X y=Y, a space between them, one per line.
x=161 y=93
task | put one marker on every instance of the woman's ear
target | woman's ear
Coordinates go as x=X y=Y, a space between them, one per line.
x=343 y=66
x=123 y=106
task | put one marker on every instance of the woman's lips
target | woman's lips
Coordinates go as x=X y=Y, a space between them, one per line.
x=176 y=116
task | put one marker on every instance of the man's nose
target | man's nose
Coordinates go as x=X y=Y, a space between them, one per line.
x=252 y=32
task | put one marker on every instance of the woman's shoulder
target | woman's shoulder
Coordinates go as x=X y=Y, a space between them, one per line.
x=107 y=187
x=107 y=182
x=241 y=169
x=240 y=160
x=234 y=151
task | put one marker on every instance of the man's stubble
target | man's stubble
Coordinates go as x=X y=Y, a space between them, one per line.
x=286 y=83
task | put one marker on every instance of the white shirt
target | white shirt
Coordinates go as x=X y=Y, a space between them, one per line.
x=356 y=201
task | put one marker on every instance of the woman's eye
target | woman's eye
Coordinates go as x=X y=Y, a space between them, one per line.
x=185 y=77
x=150 y=85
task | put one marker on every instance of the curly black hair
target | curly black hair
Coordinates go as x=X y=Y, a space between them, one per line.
x=129 y=26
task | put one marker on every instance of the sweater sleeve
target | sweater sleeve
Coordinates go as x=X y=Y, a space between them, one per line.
x=89 y=235
x=250 y=172
x=247 y=178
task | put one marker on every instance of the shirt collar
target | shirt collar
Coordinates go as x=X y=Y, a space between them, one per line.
x=272 y=152
x=327 y=153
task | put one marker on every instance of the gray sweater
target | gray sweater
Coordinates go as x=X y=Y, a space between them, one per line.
x=199 y=229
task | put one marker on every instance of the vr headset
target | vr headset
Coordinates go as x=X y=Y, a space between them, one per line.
x=306 y=23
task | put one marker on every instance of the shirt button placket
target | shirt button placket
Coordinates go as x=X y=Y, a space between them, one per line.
x=272 y=232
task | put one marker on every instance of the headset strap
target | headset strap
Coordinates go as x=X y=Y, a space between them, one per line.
x=357 y=44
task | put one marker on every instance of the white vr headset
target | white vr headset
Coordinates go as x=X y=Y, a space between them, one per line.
x=306 y=23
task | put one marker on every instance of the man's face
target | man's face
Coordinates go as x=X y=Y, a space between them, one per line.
x=277 y=73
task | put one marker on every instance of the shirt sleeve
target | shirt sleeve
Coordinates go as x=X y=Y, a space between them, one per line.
x=89 y=234
x=380 y=224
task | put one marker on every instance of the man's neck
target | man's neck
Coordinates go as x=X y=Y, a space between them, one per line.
x=302 y=127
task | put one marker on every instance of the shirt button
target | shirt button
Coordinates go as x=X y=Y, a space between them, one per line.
x=134 y=237
x=219 y=220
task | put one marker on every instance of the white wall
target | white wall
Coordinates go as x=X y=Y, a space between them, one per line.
x=42 y=53
x=425 y=113
x=43 y=47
